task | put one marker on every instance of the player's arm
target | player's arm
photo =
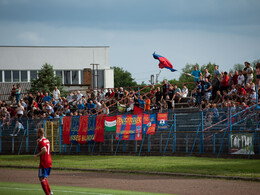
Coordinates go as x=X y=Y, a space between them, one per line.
x=43 y=151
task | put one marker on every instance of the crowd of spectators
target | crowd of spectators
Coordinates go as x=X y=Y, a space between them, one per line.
x=221 y=89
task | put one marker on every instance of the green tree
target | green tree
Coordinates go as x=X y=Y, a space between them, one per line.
x=46 y=81
x=123 y=78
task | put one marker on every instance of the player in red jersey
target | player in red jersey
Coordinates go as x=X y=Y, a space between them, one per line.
x=45 y=160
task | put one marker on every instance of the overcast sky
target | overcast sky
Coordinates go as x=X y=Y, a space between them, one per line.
x=225 y=32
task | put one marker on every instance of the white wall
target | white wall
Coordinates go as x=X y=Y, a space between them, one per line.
x=109 y=78
x=63 y=58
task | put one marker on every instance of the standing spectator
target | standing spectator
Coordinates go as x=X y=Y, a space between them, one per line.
x=141 y=102
x=198 y=94
x=207 y=74
x=19 y=110
x=215 y=86
x=258 y=75
x=29 y=102
x=235 y=78
x=249 y=72
x=158 y=97
x=207 y=90
x=165 y=89
x=224 y=82
x=121 y=92
x=230 y=79
x=17 y=94
x=196 y=73
x=216 y=71
x=245 y=73
x=56 y=93
x=240 y=78
x=13 y=93
x=147 y=103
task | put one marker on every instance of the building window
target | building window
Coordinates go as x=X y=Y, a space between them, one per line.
x=24 y=77
x=16 y=76
x=33 y=74
x=75 y=77
x=67 y=77
x=81 y=76
x=8 y=77
x=1 y=77
x=59 y=73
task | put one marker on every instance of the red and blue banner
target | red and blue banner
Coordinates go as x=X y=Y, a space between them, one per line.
x=162 y=122
x=66 y=129
x=74 y=128
x=99 y=130
x=164 y=62
x=149 y=124
x=91 y=128
x=129 y=127
x=83 y=128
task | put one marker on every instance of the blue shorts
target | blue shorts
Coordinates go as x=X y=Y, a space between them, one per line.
x=43 y=173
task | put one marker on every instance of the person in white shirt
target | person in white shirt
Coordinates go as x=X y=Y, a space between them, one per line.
x=184 y=93
x=240 y=78
x=56 y=93
x=79 y=96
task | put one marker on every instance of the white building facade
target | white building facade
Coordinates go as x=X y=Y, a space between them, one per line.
x=19 y=64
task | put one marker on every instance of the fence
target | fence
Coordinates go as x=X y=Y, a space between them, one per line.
x=232 y=132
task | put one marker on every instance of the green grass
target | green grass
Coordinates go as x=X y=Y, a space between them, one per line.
x=34 y=189
x=193 y=165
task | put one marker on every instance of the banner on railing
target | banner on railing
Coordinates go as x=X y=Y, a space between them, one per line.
x=99 y=130
x=74 y=128
x=149 y=124
x=241 y=143
x=66 y=129
x=162 y=122
x=83 y=128
x=91 y=128
x=129 y=127
x=110 y=123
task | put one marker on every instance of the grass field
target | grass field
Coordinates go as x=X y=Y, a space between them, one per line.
x=192 y=165
x=34 y=189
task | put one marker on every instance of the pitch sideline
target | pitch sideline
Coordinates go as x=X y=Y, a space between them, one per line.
x=64 y=191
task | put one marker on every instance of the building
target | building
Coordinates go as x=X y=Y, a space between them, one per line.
x=19 y=64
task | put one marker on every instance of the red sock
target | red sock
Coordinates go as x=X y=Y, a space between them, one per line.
x=44 y=186
x=48 y=187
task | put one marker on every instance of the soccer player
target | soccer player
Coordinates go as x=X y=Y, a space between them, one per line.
x=45 y=160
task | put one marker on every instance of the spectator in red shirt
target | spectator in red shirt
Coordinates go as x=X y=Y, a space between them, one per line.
x=234 y=78
x=224 y=82
x=241 y=91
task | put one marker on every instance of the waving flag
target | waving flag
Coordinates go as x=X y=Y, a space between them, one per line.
x=164 y=63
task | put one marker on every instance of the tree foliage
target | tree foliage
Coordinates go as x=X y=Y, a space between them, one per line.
x=123 y=78
x=46 y=80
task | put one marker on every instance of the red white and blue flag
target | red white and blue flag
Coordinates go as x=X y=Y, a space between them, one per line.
x=129 y=127
x=164 y=62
